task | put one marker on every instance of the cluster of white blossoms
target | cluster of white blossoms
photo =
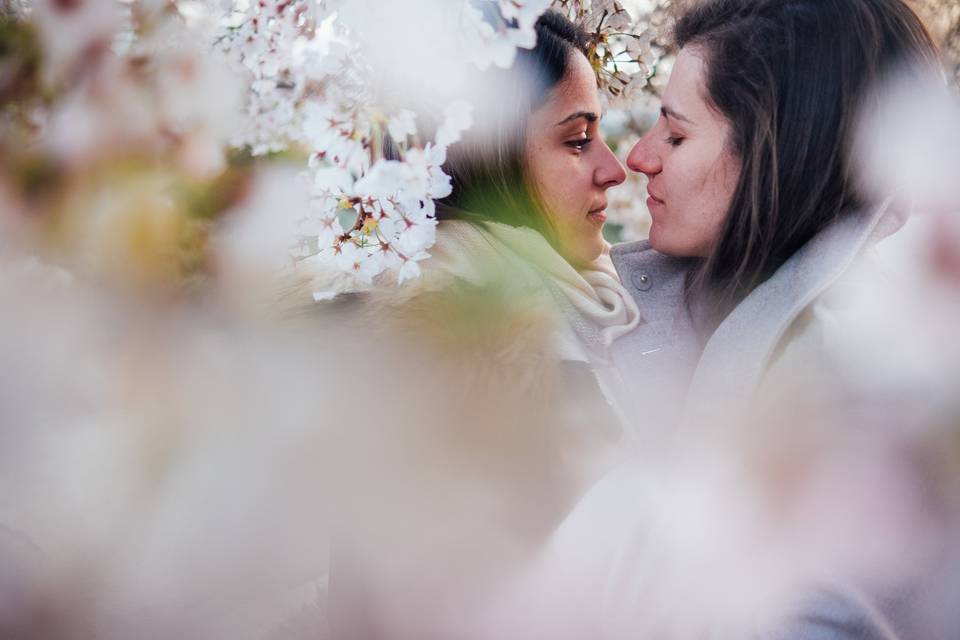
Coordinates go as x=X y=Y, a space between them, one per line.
x=622 y=47
x=496 y=41
x=318 y=83
x=315 y=86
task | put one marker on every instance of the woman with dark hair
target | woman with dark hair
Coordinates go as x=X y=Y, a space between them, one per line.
x=756 y=220
x=755 y=207
x=531 y=178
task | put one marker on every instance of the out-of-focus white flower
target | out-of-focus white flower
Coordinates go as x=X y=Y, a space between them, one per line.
x=525 y=13
x=164 y=93
x=74 y=34
x=458 y=117
x=134 y=442
x=494 y=39
x=908 y=142
x=252 y=244
x=199 y=98
x=106 y=113
x=402 y=125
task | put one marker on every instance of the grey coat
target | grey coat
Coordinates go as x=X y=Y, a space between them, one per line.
x=681 y=376
x=675 y=377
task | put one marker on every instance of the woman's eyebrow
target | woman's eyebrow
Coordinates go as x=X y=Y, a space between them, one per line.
x=589 y=115
x=671 y=113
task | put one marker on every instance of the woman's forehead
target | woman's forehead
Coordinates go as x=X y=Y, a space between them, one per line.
x=577 y=92
x=685 y=93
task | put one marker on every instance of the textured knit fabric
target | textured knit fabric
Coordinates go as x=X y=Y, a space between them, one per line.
x=592 y=301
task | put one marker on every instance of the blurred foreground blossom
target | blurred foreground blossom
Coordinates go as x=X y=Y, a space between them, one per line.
x=116 y=166
x=909 y=143
x=156 y=464
x=74 y=34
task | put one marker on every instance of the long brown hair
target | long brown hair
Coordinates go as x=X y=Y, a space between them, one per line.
x=791 y=77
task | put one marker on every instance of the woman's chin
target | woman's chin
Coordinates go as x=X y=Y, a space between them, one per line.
x=582 y=246
x=666 y=245
x=657 y=240
x=596 y=250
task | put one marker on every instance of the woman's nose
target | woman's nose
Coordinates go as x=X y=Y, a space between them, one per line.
x=610 y=172
x=642 y=157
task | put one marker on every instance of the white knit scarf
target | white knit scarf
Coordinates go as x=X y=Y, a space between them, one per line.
x=592 y=301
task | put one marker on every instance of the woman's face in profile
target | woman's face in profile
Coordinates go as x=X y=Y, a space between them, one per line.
x=691 y=169
x=570 y=165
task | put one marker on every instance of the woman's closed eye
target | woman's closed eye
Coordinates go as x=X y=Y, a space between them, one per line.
x=674 y=141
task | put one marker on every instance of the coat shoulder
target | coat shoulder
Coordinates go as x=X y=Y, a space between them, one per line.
x=790 y=316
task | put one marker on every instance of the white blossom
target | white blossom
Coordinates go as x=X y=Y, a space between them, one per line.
x=525 y=13
x=402 y=125
x=497 y=43
x=74 y=34
x=458 y=117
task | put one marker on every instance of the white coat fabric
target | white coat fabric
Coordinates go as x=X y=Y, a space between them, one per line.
x=672 y=543
x=686 y=387
x=719 y=375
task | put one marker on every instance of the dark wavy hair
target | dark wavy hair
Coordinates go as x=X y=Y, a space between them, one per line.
x=487 y=169
x=791 y=77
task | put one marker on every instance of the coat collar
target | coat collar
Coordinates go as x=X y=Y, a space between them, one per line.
x=656 y=281
x=739 y=351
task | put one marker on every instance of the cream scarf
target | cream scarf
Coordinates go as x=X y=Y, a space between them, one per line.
x=594 y=307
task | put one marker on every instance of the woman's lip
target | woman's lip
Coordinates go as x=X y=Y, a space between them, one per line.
x=651 y=201
x=599 y=216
